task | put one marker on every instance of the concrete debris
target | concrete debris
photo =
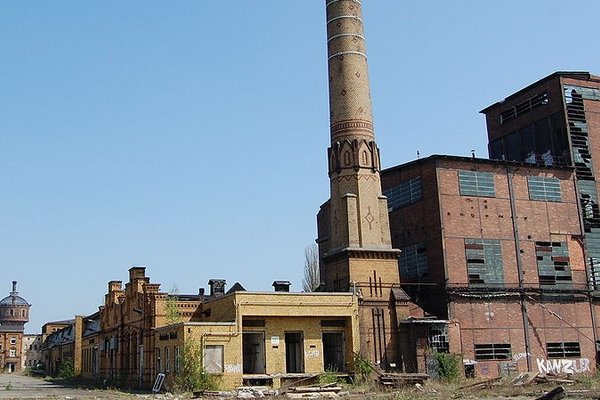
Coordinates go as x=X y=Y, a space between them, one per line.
x=330 y=390
x=250 y=392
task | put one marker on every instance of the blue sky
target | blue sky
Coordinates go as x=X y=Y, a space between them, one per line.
x=191 y=136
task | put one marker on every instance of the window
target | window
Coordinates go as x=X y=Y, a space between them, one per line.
x=413 y=262
x=167 y=360
x=545 y=189
x=473 y=183
x=158 y=364
x=404 y=194
x=12 y=353
x=553 y=263
x=177 y=359
x=493 y=351
x=484 y=262
x=13 y=340
x=524 y=107
x=213 y=359
x=437 y=338
x=563 y=350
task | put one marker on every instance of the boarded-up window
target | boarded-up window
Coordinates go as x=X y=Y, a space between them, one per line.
x=484 y=262
x=563 y=350
x=545 y=189
x=553 y=263
x=406 y=193
x=474 y=183
x=213 y=359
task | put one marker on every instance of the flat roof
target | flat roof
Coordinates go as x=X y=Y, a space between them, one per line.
x=447 y=157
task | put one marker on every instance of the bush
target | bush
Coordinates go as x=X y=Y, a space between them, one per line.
x=362 y=368
x=66 y=370
x=192 y=376
x=449 y=366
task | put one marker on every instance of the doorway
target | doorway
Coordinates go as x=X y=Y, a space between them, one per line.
x=294 y=352
x=334 y=351
x=253 y=348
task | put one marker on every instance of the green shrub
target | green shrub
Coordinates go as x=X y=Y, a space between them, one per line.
x=66 y=370
x=192 y=376
x=362 y=368
x=449 y=366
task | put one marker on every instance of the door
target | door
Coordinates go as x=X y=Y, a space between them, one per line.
x=253 y=348
x=334 y=352
x=294 y=352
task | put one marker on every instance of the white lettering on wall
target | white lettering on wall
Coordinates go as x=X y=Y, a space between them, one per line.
x=563 y=366
x=519 y=356
x=233 y=368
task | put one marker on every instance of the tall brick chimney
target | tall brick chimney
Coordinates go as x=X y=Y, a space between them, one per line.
x=353 y=225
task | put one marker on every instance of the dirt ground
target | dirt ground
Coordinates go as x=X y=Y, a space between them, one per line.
x=16 y=386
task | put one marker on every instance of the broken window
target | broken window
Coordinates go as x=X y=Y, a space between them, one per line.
x=524 y=107
x=595 y=272
x=213 y=359
x=484 y=262
x=413 y=262
x=493 y=351
x=563 y=350
x=404 y=194
x=553 y=263
x=474 y=183
x=437 y=338
x=545 y=189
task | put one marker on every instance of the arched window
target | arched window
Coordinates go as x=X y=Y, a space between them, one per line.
x=347 y=158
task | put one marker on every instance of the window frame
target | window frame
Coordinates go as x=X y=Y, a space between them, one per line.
x=563 y=349
x=476 y=183
x=492 y=351
x=543 y=188
x=205 y=357
x=491 y=268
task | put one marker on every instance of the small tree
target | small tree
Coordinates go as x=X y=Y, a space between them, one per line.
x=312 y=278
x=172 y=309
x=192 y=376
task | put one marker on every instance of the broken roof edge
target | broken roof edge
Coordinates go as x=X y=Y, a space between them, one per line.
x=585 y=75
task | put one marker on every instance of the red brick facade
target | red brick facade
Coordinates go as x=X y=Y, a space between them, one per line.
x=515 y=319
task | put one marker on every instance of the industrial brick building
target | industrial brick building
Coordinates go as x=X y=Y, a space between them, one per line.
x=556 y=121
x=497 y=248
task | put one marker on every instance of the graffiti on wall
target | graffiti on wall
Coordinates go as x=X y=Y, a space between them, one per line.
x=564 y=366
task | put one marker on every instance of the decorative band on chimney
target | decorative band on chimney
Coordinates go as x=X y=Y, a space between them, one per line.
x=345 y=17
x=335 y=1
x=342 y=53
x=349 y=125
x=356 y=35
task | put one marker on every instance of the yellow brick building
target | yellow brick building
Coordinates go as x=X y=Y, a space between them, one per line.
x=246 y=337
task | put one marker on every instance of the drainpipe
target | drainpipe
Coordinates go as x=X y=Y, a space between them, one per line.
x=513 y=211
